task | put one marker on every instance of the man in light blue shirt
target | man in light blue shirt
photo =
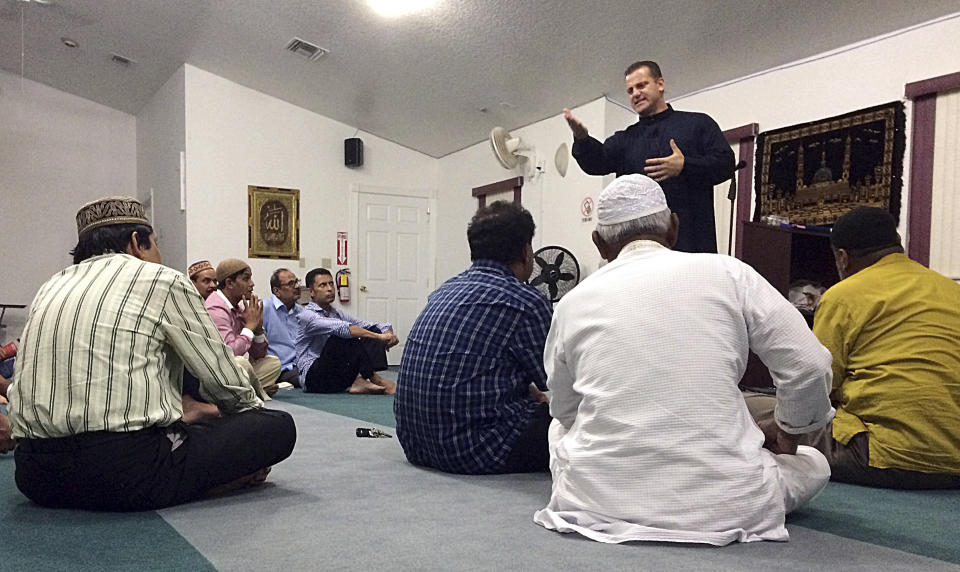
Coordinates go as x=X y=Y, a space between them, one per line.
x=280 y=322
x=336 y=351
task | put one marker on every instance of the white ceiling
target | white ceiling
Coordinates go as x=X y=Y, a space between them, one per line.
x=421 y=80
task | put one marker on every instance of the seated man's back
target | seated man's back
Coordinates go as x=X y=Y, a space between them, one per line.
x=652 y=439
x=467 y=396
x=470 y=350
x=894 y=331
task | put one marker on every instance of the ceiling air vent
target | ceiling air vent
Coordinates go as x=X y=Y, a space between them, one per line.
x=305 y=49
x=120 y=59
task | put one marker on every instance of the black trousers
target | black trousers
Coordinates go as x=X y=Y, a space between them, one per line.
x=191 y=386
x=340 y=362
x=144 y=470
x=531 y=453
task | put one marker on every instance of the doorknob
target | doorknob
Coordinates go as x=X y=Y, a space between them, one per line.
x=363 y=288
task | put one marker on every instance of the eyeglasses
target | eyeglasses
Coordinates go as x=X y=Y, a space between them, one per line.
x=290 y=284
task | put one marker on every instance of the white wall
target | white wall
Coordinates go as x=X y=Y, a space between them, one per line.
x=554 y=201
x=237 y=137
x=59 y=151
x=160 y=139
x=851 y=78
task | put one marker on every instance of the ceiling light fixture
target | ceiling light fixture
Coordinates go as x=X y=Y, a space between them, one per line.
x=395 y=8
x=69 y=42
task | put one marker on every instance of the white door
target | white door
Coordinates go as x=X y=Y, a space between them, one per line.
x=394 y=257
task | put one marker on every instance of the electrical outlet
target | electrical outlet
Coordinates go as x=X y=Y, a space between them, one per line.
x=303 y=263
x=326 y=262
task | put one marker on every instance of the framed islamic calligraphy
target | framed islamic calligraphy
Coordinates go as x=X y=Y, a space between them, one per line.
x=273 y=229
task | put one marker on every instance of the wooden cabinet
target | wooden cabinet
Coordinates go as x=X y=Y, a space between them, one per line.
x=784 y=256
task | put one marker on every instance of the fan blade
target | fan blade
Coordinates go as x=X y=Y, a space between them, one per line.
x=566 y=276
x=559 y=259
x=541 y=262
x=538 y=280
x=553 y=291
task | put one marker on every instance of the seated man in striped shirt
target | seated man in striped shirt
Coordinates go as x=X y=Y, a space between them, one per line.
x=468 y=397
x=95 y=401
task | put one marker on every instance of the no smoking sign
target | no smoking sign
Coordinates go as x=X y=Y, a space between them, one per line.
x=586 y=209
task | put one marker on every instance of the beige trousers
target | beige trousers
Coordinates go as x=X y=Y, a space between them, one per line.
x=850 y=463
x=262 y=373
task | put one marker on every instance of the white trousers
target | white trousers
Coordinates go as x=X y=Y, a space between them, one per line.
x=802 y=476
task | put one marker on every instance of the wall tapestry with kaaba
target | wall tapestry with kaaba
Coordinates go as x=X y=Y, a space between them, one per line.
x=273 y=229
x=813 y=173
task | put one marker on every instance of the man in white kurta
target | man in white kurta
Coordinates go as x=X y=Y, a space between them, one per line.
x=651 y=438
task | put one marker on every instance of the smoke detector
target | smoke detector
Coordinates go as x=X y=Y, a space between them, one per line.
x=305 y=49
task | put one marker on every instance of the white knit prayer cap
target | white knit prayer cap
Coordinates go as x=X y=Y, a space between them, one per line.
x=629 y=197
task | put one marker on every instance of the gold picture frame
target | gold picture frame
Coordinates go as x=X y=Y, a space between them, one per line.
x=273 y=222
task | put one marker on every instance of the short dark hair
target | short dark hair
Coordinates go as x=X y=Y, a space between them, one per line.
x=111 y=238
x=311 y=276
x=652 y=66
x=864 y=230
x=275 y=278
x=500 y=232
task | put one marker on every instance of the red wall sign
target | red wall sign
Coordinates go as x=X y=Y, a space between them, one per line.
x=341 y=248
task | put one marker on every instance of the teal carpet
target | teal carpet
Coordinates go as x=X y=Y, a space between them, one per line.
x=920 y=522
x=35 y=538
x=375 y=409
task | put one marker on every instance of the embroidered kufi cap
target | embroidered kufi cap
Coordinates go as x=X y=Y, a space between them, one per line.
x=198 y=267
x=630 y=197
x=229 y=267
x=865 y=228
x=109 y=211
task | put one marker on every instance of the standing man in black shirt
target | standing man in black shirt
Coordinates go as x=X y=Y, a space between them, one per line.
x=685 y=152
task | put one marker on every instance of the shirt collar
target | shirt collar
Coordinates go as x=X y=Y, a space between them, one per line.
x=277 y=303
x=317 y=308
x=641 y=245
x=892 y=258
x=487 y=264
x=658 y=116
x=223 y=297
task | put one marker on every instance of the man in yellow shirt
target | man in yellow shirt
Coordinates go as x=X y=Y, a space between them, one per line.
x=893 y=328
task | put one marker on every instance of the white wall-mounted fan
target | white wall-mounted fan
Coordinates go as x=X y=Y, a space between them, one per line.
x=509 y=150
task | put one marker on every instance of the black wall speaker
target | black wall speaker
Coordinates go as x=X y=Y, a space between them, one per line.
x=353 y=152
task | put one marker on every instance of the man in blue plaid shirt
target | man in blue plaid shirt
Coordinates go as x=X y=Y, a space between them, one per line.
x=469 y=396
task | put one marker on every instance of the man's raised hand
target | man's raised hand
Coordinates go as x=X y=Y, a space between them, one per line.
x=663 y=168
x=253 y=314
x=579 y=131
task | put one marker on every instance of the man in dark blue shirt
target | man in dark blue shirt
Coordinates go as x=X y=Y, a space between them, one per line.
x=469 y=394
x=685 y=152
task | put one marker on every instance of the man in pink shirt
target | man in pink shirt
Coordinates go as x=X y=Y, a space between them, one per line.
x=241 y=326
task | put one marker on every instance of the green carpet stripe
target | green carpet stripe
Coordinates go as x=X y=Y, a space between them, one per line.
x=920 y=522
x=36 y=538
x=373 y=409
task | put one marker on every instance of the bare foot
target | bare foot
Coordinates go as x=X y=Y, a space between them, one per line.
x=271 y=390
x=259 y=477
x=389 y=387
x=251 y=480
x=197 y=412
x=361 y=385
